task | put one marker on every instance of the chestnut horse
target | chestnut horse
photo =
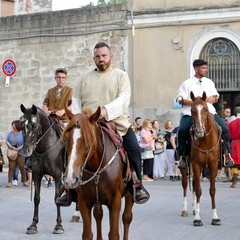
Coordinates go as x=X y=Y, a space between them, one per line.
x=204 y=153
x=98 y=172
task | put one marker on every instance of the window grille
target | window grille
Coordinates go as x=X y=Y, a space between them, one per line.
x=223 y=58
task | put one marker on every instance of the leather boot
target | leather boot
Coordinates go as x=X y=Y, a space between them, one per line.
x=234 y=180
x=182 y=162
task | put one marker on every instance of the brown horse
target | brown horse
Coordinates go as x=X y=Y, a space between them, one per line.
x=97 y=171
x=204 y=153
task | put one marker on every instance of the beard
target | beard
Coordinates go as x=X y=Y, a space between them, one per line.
x=102 y=66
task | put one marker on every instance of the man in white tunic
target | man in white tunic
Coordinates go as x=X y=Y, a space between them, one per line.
x=109 y=88
x=199 y=84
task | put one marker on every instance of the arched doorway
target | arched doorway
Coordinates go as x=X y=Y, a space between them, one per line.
x=223 y=59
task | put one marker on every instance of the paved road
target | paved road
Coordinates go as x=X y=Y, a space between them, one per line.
x=158 y=219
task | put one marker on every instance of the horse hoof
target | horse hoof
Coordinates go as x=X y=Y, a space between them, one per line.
x=197 y=223
x=184 y=213
x=216 y=222
x=58 y=230
x=31 y=230
x=75 y=218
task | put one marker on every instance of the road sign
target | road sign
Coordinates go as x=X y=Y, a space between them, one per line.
x=9 y=67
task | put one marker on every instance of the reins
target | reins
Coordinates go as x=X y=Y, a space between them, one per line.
x=99 y=170
x=207 y=151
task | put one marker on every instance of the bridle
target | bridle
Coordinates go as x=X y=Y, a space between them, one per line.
x=194 y=137
x=100 y=168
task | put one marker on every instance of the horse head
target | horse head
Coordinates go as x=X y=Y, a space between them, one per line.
x=30 y=128
x=82 y=139
x=199 y=111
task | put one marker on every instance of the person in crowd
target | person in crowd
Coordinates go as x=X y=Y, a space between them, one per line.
x=226 y=114
x=234 y=132
x=227 y=171
x=14 y=141
x=148 y=137
x=198 y=84
x=138 y=123
x=2 y=162
x=170 y=150
x=138 y=129
x=158 y=162
x=173 y=141
x=15 y=175
x=109 y=87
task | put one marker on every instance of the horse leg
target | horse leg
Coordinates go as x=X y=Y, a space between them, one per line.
x=194 y=199
x=58 y=229
x=114 y=211
x=198 y=191
x=32 y=229
x=212 y=191
x=127 y=215
x=98 y=215
x=184 y=212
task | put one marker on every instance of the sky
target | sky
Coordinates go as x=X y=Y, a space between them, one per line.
x=68 y=4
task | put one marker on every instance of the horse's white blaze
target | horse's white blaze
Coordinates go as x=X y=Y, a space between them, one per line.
x=214 y=214
x=199 y=108
x=76 y=136
x=26 y=124
x=197 y=212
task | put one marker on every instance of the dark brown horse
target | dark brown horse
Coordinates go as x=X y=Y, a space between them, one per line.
x=42 y=143
x=97 y=171
x=204 y=153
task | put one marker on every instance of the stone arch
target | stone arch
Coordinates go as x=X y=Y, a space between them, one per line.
x=200 y=43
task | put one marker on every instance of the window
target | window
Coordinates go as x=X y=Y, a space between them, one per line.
x=223 y=58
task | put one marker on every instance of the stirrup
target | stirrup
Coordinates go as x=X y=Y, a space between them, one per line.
x=64 y=202
x=145 y=199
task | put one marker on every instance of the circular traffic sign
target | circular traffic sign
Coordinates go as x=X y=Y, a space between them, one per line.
x=9 y=67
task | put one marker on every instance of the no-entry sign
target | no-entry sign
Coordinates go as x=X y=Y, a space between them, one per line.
x=9 y=67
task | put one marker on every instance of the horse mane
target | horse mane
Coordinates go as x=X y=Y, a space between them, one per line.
x=55 y=126
x=88 y=130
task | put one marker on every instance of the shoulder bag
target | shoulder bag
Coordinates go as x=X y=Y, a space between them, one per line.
x=12 y=154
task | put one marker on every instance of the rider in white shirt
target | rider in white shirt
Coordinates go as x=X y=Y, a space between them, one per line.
x=199 y=84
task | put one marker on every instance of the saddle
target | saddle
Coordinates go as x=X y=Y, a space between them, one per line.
x=57 y=120
x=109 y=127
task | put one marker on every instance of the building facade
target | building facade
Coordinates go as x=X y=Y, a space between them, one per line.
x=155 y=43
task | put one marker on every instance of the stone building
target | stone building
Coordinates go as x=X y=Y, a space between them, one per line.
x=155 y=43
x=16 y=7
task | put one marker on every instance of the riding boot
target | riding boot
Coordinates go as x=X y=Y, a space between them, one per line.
x=140 y=194
x=182 y=162
x=228 y=161
x=234 y=180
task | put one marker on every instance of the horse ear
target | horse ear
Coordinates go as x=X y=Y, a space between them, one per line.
x=204 y=96
x=69 y=114
x=94 y=117
x=192 y=96
x=34 y=109
x=23 y=109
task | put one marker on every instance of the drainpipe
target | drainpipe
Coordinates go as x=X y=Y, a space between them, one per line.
x=133 y=62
